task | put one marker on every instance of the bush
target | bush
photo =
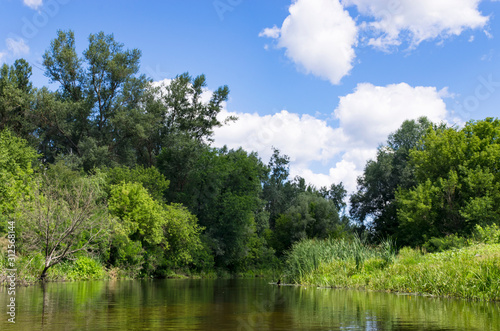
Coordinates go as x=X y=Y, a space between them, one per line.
x=490 y=234
x=435 y=245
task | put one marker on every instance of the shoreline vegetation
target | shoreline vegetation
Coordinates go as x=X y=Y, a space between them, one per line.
x=113 y=176
x=471 y=270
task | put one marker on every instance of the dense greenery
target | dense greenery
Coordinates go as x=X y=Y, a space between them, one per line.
x=471 y=272
x=113 y=172
x=112 y=175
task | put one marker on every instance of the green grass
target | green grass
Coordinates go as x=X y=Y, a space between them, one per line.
x=347 y=254
x=471 y=272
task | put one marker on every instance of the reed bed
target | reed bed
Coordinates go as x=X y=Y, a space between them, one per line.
x=471 y=272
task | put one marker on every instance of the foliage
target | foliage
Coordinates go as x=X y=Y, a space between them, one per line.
x=458 y=185
x=16 y=99
x=489 y=234
x=16 y=173
x=62 y=218
x=445 y=243
x=310 y=216
x=470 y=272
x=84 y=268
x=149 y=235
x=93 y=91
x=150 y=178
x=374 y=203
x=185 y=110
x=222 y=187
x=308 y=255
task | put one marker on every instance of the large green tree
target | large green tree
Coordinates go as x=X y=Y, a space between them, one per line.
x=16 y=173
x=222 y=187
x=458 y=183
x=148 y=235
x=16 y=99
x=278 y=190
x=309 y=216
x=93 y=91
x=374 y=203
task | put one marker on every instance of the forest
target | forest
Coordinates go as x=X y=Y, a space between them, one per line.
x=111 y=175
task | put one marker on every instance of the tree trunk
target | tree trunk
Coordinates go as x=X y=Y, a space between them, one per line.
x=44 y=273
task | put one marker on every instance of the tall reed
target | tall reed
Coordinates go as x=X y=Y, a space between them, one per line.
x=307 y=255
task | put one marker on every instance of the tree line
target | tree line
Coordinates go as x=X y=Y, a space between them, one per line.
x=113 y=166
x=431 y=181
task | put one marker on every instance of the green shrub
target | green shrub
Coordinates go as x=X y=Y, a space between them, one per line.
x=84 y=268
x=490 y=234
x=434 y=244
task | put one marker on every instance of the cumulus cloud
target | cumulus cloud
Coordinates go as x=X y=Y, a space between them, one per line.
x=418 y=20
x=33 y=4
x=319 y=36
x=302 y=137
x=369 y=114
x=17 y=47
x=366 y=116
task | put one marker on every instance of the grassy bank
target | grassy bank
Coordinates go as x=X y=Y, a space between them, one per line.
x=471 y=272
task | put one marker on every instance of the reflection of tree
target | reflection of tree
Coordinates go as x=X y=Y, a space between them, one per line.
x=244 y=305
x=44 y=303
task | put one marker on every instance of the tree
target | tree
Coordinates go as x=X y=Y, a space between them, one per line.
x=16 y=173
x=94 y=90
x=374 y=203
x=16 y=99
x=148 y=235
x=230 y=208
x=222 y=188
x=337 y=194
x=150 y=178
x=458 y=183
x=310 y=216
x=63 y=218
x=63 y=66
x=185 y=110
x=278 y=190
x=108 y=114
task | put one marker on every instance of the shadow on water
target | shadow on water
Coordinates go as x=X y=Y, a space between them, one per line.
x=235 y=305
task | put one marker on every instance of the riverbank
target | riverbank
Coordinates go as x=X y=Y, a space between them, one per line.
x=471 y=272
x=84 y=268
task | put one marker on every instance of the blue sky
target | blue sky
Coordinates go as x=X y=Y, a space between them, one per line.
x=325 y=81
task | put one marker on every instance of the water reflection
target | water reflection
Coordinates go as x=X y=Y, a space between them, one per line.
x=235 y=305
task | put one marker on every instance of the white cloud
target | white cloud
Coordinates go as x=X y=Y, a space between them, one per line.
x=367 y=116
x=370 y=113
x=418 y=20
x=302 y=137
x=273 y=32
x=319 y=36
x=17 y=47
x=2 y=55
x=33 y=4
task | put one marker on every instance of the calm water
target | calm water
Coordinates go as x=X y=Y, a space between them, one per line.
x=234 y=305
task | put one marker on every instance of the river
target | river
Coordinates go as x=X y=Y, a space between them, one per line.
x=236 y=304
